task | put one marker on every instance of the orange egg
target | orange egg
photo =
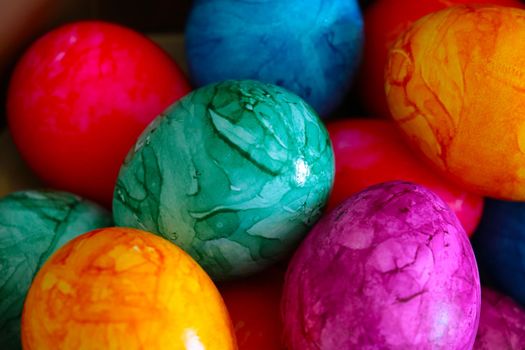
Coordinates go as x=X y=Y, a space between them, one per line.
x=455 y=85
x=120 y=288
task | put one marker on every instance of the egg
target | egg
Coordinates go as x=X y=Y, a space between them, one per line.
x=501 y=324
x=235 y=173
x=81 y=95
x=310 y=47
x=390 y=268
x=254 y=307
x=454 y=86
x=384 y=21
x=371 y=151
x=120 y=288
x=34 y=224
x=499 y=243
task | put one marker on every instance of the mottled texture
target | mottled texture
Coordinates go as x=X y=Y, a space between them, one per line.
x=371 y=151
x=390 y=268
x=499 y=243
x=79 y=98
x=311 y=47
x=454 y=83
x=384 y=21
x=34 y=224
x=120 y=288
x=502 y=323
x=235 y=174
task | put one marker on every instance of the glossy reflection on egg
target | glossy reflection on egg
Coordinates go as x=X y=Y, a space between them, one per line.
x=235 y=173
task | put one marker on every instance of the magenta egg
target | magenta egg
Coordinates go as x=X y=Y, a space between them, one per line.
x=390 y=268
x=502 y=323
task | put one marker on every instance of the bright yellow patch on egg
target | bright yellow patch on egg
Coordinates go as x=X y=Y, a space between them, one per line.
x=120 y=288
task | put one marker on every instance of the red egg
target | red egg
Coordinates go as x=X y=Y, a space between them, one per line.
x=79 y=98
x=384 y=21
x=254 y=308
x=371 y=151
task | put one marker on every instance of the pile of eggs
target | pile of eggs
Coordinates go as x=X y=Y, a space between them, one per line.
x=237 y=208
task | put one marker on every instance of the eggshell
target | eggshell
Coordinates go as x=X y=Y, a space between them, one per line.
x=454 y=84
x=120 y=288
x=499 y=243
x=371 y=151
x=384 y=21
x=79 y=98
x=235 y=173
x=254 y=307
x=33 y=225
x=501 y=324
x=310 y=47
x=390 y=268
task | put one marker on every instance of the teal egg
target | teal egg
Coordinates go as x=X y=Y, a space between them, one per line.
x=235 y=173
x=33 y=225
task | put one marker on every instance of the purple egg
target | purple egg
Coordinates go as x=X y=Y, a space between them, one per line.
x=390 y=268
x=502 y=323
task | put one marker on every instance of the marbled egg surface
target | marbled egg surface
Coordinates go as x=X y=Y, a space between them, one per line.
x=390 y=268
x=454 y=84
x=235 y=173
x=34 y=224
x=499 y=243
x=121 y=288
x=311 y=47
x=502 y=323
x=371 y=151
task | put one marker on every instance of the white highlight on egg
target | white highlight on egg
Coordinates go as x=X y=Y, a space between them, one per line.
x=441 y=321
x=302 y=171
x=60 y=56
x=192 y=340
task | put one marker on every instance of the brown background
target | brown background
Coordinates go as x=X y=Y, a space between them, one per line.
x=142 y=15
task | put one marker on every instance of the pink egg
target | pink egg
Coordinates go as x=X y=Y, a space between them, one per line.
x=502 y=323
x=390 y=268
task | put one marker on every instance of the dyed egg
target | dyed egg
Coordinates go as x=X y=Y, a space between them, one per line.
x=384 y=21
x=34 y=224
x=310 y=47
x=14 y=174
x=80 y=97
x=368 y=152
x=120 y=288
x=501 y=324
x=390 y=268
x=499 y=243
x=453 y=85
x=254 y=307
x=235 y=174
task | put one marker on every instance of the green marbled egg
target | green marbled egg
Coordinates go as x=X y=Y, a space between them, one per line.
x=33 y=225
x=235 y=173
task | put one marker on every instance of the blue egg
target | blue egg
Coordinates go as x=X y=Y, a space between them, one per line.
x=499 y=244
x=310 y=47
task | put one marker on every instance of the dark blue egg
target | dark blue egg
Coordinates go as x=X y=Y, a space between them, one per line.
x=310 y=47
x=499 y=244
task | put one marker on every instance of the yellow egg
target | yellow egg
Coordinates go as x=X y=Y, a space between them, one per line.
x=120 y=288
x=455 y=83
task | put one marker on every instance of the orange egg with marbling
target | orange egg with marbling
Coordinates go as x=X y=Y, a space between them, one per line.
x=455 y=84
x=120 y=288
